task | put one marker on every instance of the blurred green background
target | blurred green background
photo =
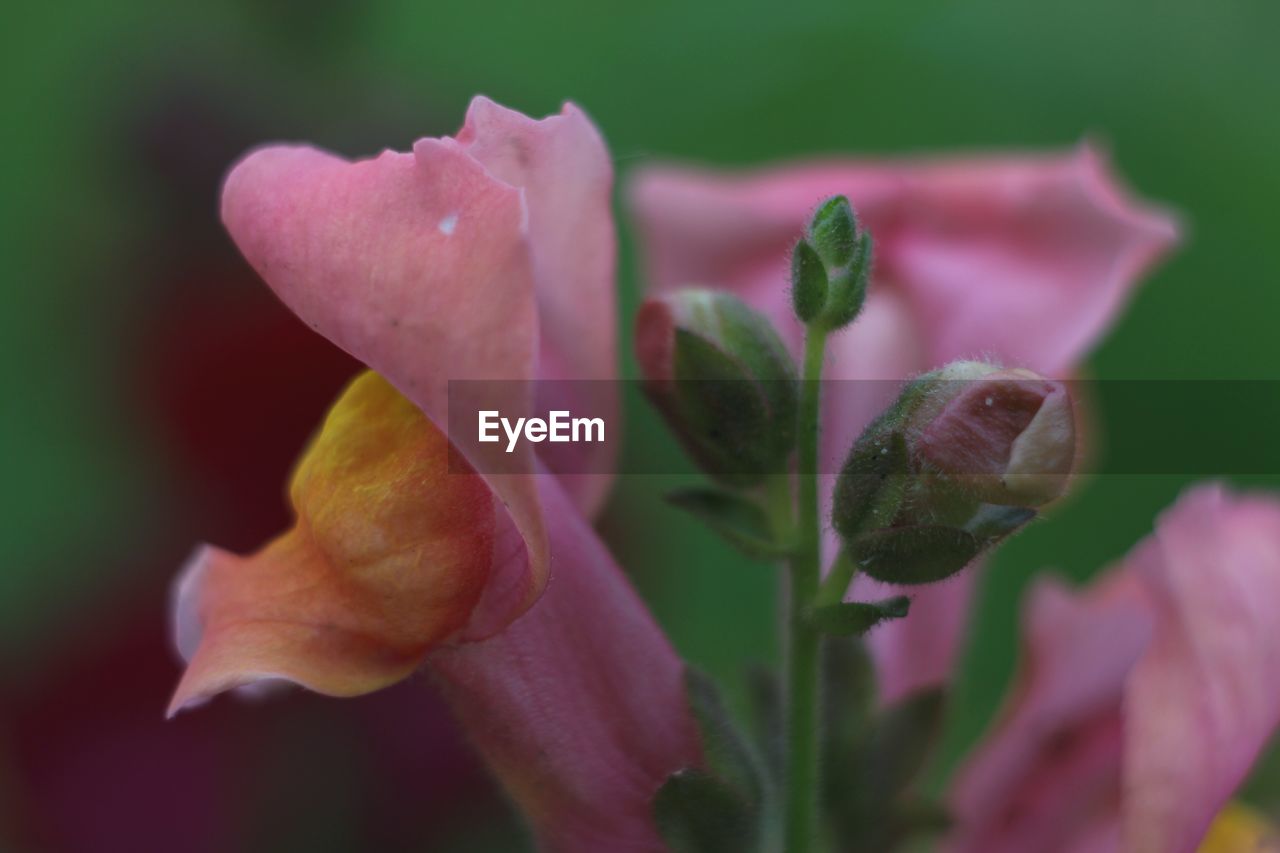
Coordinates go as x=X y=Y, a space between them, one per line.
x=118 y=453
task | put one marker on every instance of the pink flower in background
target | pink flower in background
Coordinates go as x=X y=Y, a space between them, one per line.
x=1021 y=259
x=1143 y=700
x=488 y=256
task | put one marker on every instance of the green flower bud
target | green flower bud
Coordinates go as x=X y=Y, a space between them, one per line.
x=722 y=379
x=833 y=299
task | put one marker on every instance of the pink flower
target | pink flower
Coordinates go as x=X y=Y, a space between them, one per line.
x=579 y=706
x=488 y=256
x=1023 y=259
x=1142 y=701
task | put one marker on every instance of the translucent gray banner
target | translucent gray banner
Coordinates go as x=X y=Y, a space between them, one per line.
x=1197 y=428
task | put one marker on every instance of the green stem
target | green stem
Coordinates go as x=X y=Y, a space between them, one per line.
x=780 y=506
x=842 y=573
x=802 y=781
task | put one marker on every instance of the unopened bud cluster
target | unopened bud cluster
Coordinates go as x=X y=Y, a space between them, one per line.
x=961 y=460
x=830 y=267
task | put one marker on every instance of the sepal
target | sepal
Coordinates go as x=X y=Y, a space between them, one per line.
x=808 y=282
x=871 y=487
x=915 y=555
x=700 y=813
x=727 y=752
x=848 y=290
x=834 y=231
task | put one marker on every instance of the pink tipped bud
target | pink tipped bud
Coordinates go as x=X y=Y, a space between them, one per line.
x=722 y=378
x=954 y=467
x=1005 y=436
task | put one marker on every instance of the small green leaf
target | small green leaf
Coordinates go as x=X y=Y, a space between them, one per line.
x=808 y=282
x=915 y=555
x=858 y=617
x=699 y=813
x=737 y=519
x=728 y=755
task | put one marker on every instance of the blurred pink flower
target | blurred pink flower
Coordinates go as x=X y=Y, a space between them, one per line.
x=1142 y=701
x=488 y=256
x=1021 y=259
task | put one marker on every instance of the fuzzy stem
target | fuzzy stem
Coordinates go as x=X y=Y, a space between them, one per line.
x=836 y=584
x=802 y=771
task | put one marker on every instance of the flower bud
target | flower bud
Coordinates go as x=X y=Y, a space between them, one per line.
x=722 y=379
x=1004 y=436
x=830 y=267
x=956 y=464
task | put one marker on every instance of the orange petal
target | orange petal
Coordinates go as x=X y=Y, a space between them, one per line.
x=417 y=265
x=389 y=555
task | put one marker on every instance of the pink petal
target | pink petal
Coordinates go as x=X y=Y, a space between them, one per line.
x=1178 y=644
x=919 y=652
x=416 y=264
x=1205 y=699
x=563 y=168
x=1048 y=775
x=1026 y=258
x=579 y=705
x=1030 y=260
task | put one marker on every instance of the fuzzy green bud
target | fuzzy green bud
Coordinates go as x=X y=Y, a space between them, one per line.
x=722 y=379
x=835 y=243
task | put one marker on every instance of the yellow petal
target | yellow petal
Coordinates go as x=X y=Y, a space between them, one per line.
x=1240 y=829
x=389 y=555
